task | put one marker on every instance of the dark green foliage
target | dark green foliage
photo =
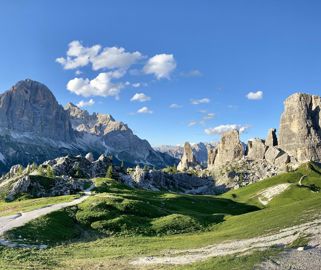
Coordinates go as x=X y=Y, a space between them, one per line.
x=109 y=173
x=50 y=172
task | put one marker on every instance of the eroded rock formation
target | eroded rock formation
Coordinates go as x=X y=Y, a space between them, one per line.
x=300 y=127
x=188 y=159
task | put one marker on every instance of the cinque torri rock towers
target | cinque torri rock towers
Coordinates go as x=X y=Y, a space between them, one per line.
x=298 y=140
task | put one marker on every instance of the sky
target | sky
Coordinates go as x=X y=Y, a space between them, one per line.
x=174 y=71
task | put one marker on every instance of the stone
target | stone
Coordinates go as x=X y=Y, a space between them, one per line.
x=90 y=157
x=272 y=153
x=256 y=149
x=229 y=148
x=211 y=154
x=300 y=127
x=31 y=107
x=282 y=160
x=188 y=159
x=271 y=138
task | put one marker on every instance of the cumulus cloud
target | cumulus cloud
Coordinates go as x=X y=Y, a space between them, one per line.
x=141 y=97
x=144 y=110
x=175 y=106
x=102 y=85
x=114 y=58
x=255 y=95
x=110 y=57
x=160 y=65
x=200 y=101
x=83 y=103
x=78 y=55
x=219 y=130
x=192 y=123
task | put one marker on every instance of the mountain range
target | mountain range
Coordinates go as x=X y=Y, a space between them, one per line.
x=34 y=127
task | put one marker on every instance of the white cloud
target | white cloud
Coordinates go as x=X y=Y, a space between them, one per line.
x=141 y=97
x=144 y=110
x=78 y=55
x=192 y=73
x=255 y=95
x=192 y=123
x=136 y=85
x=200 y=101
x=110 y=57
x=175 y=106
x=83 y=103
x=114 y=58
x=208 y=116
x=161 y=65
x=102 y=85
x=224 y=128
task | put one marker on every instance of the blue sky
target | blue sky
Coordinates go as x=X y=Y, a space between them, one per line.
x=210 y=53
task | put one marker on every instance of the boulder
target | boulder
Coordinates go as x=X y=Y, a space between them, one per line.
x=229 y=148
x=90 y=157
x=256 y=149
x=271 y=138
x=300 y=127
x=282 y=160
x=188 y=159
x=272 y=153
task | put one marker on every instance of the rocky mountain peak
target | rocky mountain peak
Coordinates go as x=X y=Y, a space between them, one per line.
x=29 y=106
x=300 y=127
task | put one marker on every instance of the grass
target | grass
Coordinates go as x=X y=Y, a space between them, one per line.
x=165 y=211
x=14 y=207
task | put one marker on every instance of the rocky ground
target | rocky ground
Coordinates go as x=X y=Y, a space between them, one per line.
x=292 y=259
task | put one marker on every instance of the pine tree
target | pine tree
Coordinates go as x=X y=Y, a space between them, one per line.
x=109 y=173
x=50 y=172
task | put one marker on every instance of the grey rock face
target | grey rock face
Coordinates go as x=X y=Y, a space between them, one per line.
x=199 y=149
x=256 y=149
x=300 y=127
x=229 y=148
x=31 y=107
x=243 y=172
x=78 y=166
x=116 y=136
x=211 y=153
x=271 y=138
x=89 y=157
x=188 y=159
x=179 y=182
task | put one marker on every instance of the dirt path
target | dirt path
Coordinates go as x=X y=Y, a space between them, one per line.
x=283 y=237
x=8 y=223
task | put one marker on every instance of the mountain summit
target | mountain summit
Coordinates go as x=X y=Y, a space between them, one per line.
x=34 y=127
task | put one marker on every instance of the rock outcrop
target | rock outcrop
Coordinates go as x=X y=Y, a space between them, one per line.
x=271 y=138
x=188 y=159
x=30 y=107
x=178 y=182
x=117 y=138
x=300 y=127
x=199 y=149
x=229 y=148
x=256 y=149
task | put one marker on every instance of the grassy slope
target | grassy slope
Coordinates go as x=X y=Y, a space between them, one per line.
x=295 y=205
x=10 y=208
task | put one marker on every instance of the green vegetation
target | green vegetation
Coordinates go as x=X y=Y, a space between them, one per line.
x=10 y=208
x=109 y=173
x=59 y=227
x=124 y=223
